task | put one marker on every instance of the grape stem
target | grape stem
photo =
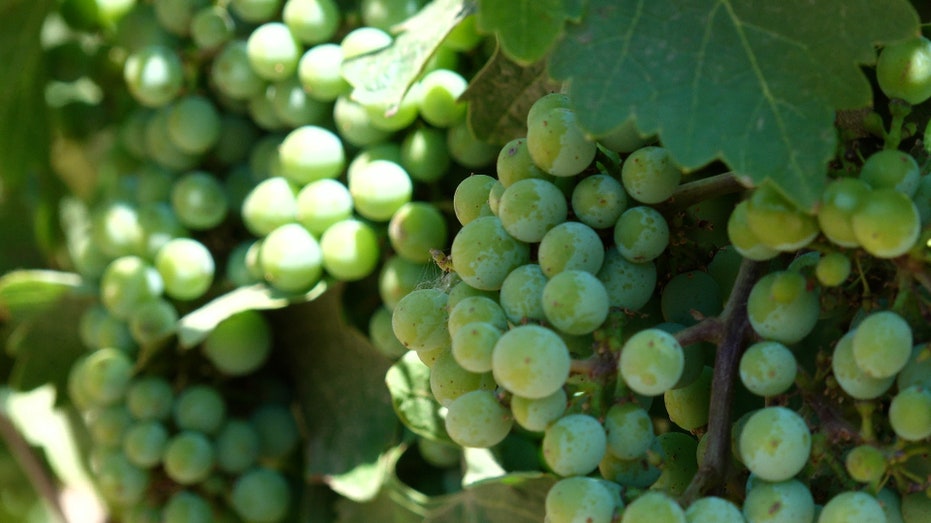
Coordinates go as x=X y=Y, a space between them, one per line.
x=29 y=462
x=690 y=193
x=728 y=329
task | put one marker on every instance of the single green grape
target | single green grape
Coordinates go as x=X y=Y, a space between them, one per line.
x=420 y=320
x=629 y=430
x=310 y=153
x=189 y=457
x=574 y=445
x=269 y=205
x=598 y=201
x=680 y=463
x=106 y=376
x=782 y=308
x=689 y=293
x=779 y=502
x=448 y=380
x=536 y=414
x=891 y=169
x=521 y=293
x=237 y=445
x=742 y=237
x=852 y=506
x=273 y=51
x=688 y=406
x=903 y=70
x=239 y=344
x=473 y=345
x=651 y=362
x=291 y=258
x=833 y=269
x=185 y=506
x=186 y=267
x=127 y=282
x=577 y=499
x=887 y=223
x=144 y=443
x=424 y=154
x=531 y=361
x=570 y=246
x=653 y=506
x=476 y=308
x=557 y=143
x=775 y=443
x=350 y=250
x=200 y=408
x=261 y=495
x=865 y=463
x=278 y=432
x=379 y=189
x=575 y=302
x=154 y=75
x=319 y=72
x=470 y=199
x=483 y=253
x=850 y=377
x=649 y=175
x=641 y=234
x=713 y=509
x=910 y=413
x=767 y=368
x=777 y=222
x=416 y=229
x=531 y=207
x=312 y=21
x=199 y=200
x=629 y=285
x=477 y=419
x=882 y=344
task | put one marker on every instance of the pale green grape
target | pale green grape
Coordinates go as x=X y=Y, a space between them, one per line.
x=598 y=201
x=186 y=267
x=882 y=344
x=239 y=344
x=574 y=445
x=910 y=413
x=379 y=189
x=237 y=445
x=269 y=205
x=530 y=361
x=350 y=250
x=189 y=457
x=199 y=200
x=419 y=320
x=521 y=294
x=578 y=499
x=575 y=302
x=653 y=506
x=273 y=51
x=903 y=71
x=322 y=203
x=439 y=454
x=354 y=123
x=416 y=229
x=237 y=134
x=850 y=377
x=630 y=285
x=743 y=239
x=688 y=293
x=261 y=495
x=629 y=430
x=640 y=472
x=570 y=246
x=473 y=344
x=712 y=509
x=483 y=253
x=767 y=368
x=153 y=321
x=460 y=290
x=777 y=222
x=390 y=117
x=470 y=199
x=310 y=153
x=144 y=443
x=476 y=308
x=782 y=308
x=514 y=163
x=529 y=208
x=494 y=197
x=159 y=225
x=128 y=282
x=211 y=27
x=312 y=21
x=477 y=419
x=775 y=443
x=255 y=11
x=319 y=72
x=185 y=506
x=424 y=154
x=291 y=258
x=891 y=505
x=107 y=426
x=891 y=169
x=865 y=463
x=688 y=406
x=439 y=103
x=362 y=40
x=106 y=374
x=536 y=414
x=154 y=75
x=649 y=174
x=852 y=506
x=887 y=223
x=916 y=507
x=116 y=231
x=194 y=124
x=385 y=14
x=448 y=380
x=119 y=481
x=832 y=269
x=278 y=431
x=149 y=398
x=200 y=408
x=233 y=75
x=641 y=234
x=782 y=502
x=839 y=203
x=557 y=143
x=651 y=362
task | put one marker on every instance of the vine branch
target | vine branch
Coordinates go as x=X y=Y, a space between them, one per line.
x=690 y=193
x=32 y=466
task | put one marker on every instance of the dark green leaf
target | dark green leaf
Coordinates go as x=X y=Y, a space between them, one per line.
x=382 y=77
x=26 y=292
x=526 y=29
x=501 y=94
x=395 y=503
x=753 y=83
x=515 y=498
x=409 y=383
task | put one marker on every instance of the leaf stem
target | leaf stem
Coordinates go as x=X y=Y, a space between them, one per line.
x=691 y=193
x=32 y=466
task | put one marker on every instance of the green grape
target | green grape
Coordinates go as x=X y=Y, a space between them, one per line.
x=439 y=103
x=319 y=72
x=424 y=154
x=294 y=107
x=712 y=509
x=153 y=321
x=556 y=142
x=598 y=201
x=866 y=464
x=688 y=406
x=379 y=189
x=262 y=110
x=651 y=362
x=277 y=429
x=641 y=234
x=322 y=203
x=743 y=239
x=574 y=445
x=189 y=457
x=120 y=482
x=237 y=270
x=575 y=302
x=852 y=506
x=291 y=258
x=382 y=335
x=350 y=250
x=312 y=21
x=476 y=308
x=891 y=505
x=390 y=151
x=149 y=398
x=106 y=375
x=887 y=223
x=354 y=123
x=439 y=453
x=521 y=295
x=767 y=368
x=473 y=344
x=273 y=51
x=134 y=23
x=850 y=377
x=211 y=27
x=448 y=380
x=199 y=200
x=578 y=499
x=514 y=163
x=918 y=369
x=239 y=344
x=536 y=414
x=653 y=506
x=237 y=134
x=232 y=74
x=193 y=124
x=782 y=502
x=782 y=308
x=832 y=269
x=108 y=425
x=160 y=224
x=390 y=117
x=484 y=253
x=154 y=75
x=531 y=361
x=237 y=446
x=161 y=150
x=143 y=513
x=144 y=443
x=255 y=11
x=775 y=443
x=689 y=293
x=903 y=70
x=470 y=200
x=185 y=506
x=127 y=282
x=476 y=419
x=649 y=175
x=419 y=320
x=398 y=277
x=570 y=246
x=882 y=344
x=630 y=285
x=777 y=222
x=385 y=14
x=363 y=40
x=261 y=495
x=529 y=208
x=629 y=430
x=680 y=463
x=416 y=229
x=839 y=203
x=199 y=408
x=638 y=473
x=626 y=138
x=311 y=153
x=269 y=205
x=466 y=149
x=891 y=169
x=910 y=413
x=187 y=268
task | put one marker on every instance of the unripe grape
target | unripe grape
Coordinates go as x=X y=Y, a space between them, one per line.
x=273 y=51
x=832 y=269
x=537 y=414
x=653 y=506
x=579 y=499
x=484 y=253
x=291 y=258
x=531 y=361
x=641 y=234
x=649 y=175
x=476 y=419
x=775 y=443
x=186 y=267
x=852 y=506
x=768 y=368
x=865 y=463
x=781 y=307
x=887 y=223
x=574 y=445
x=651 y=362
x=904 y=70
x=891 y=169
x=850 y=377
x=557 y=143
x=742 y=237
x=777 y=222
x=910 y=413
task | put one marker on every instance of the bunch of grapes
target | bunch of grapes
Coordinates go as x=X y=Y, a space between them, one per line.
x=592 y=277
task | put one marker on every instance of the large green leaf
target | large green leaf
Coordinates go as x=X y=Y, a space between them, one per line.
x=526 y=29
x=752 y=82
x=409 y=383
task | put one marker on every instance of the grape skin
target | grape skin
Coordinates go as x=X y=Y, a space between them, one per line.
x=574 y=445
x=578 y=499
x=651 y=362
x=910 y=413
x=476 y=419
x=775 y=443
x=531 y=361
x=653 y=506
x=852 y=506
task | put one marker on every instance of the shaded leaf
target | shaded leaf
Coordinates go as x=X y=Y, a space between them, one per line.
x=409 y=384
x=384 y=76
x=753 y=83
x=502 y=93
x=28 y=291
x=514 y=498
x=526 y=29
x=396 y=502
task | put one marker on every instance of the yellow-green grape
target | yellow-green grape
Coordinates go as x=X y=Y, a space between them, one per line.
x=891 y=169
x=439 y=102
x=712 y=509
x=782 y=308
x=688 y=406
x=570 y=246
x=574 y=445
x=557 y=143
x=882 y=344
x=321 y=204
x=918 y=369
x=768 y=368
x=536 y=414
x=521 y=294
x=903 y=70
x=852 y=506
x=651 y=362
x=477 y=419
x=850 y=377
x=419 y=320
x=887 y=223
x=269 y=205
x=910 y=413
x=379 y=189
x=598 y=201
x=483 y=253
x=424 y=154
x=273 y=51
x=839 y=202
x=448 y=380
x=310 y=153
x=473 y=345
x=531 y=207
x=780 y=502
x=641 y=234
x=832 y=269
x=578 y=499
x=350 y=250
x=865 y=463
x=629 y=430
x=626 y=138
x=319 y=72
x=775 y=443
x=630 y=285
x=470 y=200
x=291 y=258
x=743 y=239
x=514 y=163
x=649 y=175
x=680 y=463
x=186 y=267
x=531 y=361
x=777 y=222
x=312 y=21
x=575 y=302
x=653 y=506
x=476 y=308
x=416 y=229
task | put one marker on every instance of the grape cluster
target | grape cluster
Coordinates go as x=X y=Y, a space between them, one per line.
x=569 y=309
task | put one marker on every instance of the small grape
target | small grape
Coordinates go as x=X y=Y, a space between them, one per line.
x=189 y=457
x=319 y=72
x=185 y=506
x=651 y=362
x=470 y=200
x=150 y=398
x=269 y=205
x=865 y=463
x=767 y=368
x=882 y=344
x=850 y=377
x=712 y=509
x=201 y=408
x=689 y=293
x=626 y=138
x=128 y=282
x=629 y=285
x=106 y=376
x=350 y=250
x=514 y=163
x=476 y=309
x=575 y=302
x=144 y=443
x=484 y=253
x=839 y=202
x=379 y=189
x=887 y=223
x=903 y=70
x=291 y=258
x=688 y=406
x=277 y=429
x=781 y=502
x=239 y=344
x=186 y=267
x=154 y=75
x=782 y=308
x=531 y=361
x=641 y=234
x=476 y=419
x=574 y=445
x=629 y=430
x=529 y=208
x=521 y=294
x=578 y=499
x=775 y=443
x=536 y=414
x=273 y=51
x=570 y=246
x=598 y=201
x=448 y=380
x=420 y=320
x=891 y=169
x=852 y=506
x=743 y=239
x=832 y=269
x=473 y=345
x=237 y=445
x=653 y=506
x=910 y=413
x=261 y=495
x=416 y=229
x=440 y=92
x=918 y=369
x=312 y=21
x=777 y=222
x=649 y=175
x=310 y=153
x=557 y=143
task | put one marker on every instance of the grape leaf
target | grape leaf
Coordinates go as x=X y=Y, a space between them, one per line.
x=382 y=77
x=501 y=94
x=526 y=29
x=409 y=384
x=28 y=291
x=514 y=498
x=751 y=82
